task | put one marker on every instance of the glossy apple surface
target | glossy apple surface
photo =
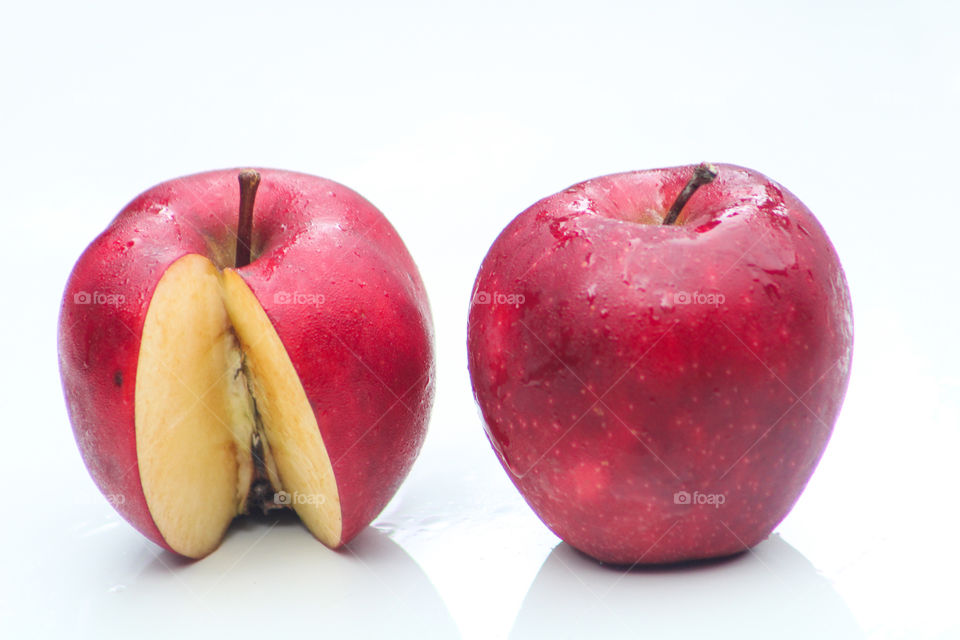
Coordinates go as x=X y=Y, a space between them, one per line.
x=661 y=393
x=329 y=277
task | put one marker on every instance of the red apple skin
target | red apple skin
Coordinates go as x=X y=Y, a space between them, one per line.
x=364 y=355
x=604 y=395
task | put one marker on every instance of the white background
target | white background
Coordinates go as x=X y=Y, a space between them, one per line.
x=452 y=119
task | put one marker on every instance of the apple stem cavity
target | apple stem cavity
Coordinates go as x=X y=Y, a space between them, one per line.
x=249 y=181
x=705 y=173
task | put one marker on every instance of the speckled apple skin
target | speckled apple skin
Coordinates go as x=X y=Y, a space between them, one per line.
x=364 y=355
x=604 y=395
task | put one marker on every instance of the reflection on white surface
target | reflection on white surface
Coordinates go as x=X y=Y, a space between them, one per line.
x=769 y=592
x=268 y=579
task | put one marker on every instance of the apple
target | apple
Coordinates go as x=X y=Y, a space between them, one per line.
x=214 y=366
x=659 y=357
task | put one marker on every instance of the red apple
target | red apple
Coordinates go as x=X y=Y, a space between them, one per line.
x=202 y=384
x=660 y=367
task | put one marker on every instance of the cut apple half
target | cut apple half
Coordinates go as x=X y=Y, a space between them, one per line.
x=223 y=424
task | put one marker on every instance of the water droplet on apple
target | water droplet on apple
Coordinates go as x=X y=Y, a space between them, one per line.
x=592 y=293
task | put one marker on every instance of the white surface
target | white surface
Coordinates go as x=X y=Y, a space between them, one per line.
x=452 y=120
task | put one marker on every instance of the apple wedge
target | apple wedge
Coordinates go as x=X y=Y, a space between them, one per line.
x=209 y=374
x=212 y=378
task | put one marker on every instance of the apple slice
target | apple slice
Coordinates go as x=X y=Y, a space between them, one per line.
x=289 y=423
x=203 y=398
x=189 y=440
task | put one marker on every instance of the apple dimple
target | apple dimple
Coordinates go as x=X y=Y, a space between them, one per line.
x=644 y=197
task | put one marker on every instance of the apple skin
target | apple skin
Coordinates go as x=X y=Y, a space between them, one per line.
x=604 y=395
x=364 y=356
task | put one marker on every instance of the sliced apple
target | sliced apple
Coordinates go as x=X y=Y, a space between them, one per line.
x=207 y=404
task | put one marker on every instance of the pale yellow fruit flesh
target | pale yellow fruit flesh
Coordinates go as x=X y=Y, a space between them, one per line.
x=186 y=449
x=195 y=415
x=291 y=427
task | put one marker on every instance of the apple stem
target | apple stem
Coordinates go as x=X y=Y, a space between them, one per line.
x=703 y=174
x=249 y=181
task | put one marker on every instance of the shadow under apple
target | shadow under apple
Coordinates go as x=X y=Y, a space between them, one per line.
x=269 y=578
x=772 y=591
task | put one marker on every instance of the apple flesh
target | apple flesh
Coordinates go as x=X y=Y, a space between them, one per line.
x=199 y=391
x=212 y=374
x=661 y=392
